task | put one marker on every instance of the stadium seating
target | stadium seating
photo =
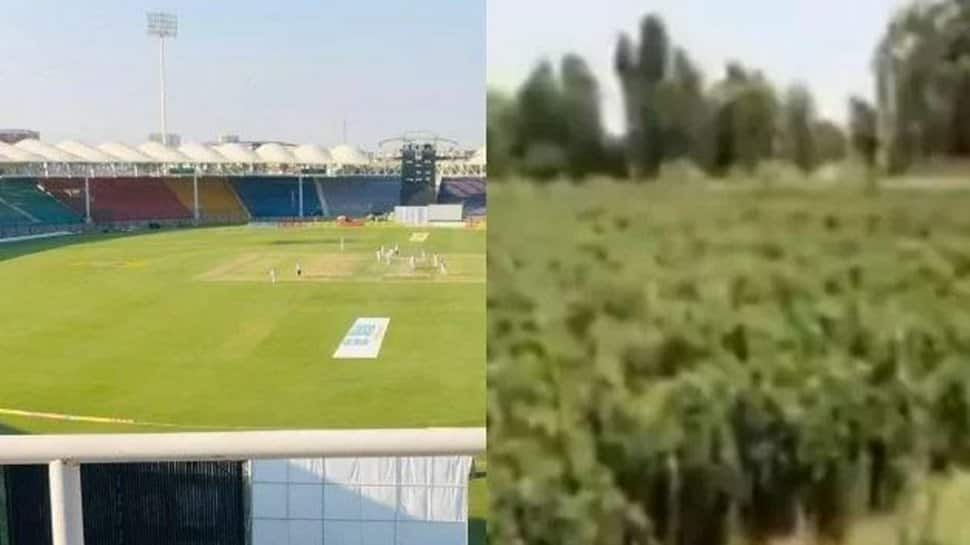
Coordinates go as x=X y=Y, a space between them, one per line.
x=121 y=199
x=358 y=196
x=69 y=191
x=277 y=197
x=9 y=216
x=32 y=205
x=61 y=200
x=217 y=199
x=471 y=192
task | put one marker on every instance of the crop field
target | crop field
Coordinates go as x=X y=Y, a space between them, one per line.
x=771 y=365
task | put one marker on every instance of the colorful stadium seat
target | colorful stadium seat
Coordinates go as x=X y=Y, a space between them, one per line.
x=217 y=199
x=24 y=202
x=358 y=196
x=121 y=199
x=277 y=197
x=53 y=201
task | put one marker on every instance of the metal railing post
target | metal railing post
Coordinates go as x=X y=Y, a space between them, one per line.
x=301 y=195
x=67 y=519
x=87 y=200
x=195 y=196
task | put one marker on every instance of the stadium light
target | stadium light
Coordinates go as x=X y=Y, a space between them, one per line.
x=162 y=25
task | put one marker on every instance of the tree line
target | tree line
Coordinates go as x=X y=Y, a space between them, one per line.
x=552 y=126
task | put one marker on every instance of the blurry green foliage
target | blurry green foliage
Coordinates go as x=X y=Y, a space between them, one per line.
x=681 y=366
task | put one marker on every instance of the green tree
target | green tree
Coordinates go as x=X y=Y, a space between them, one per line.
x=923 y=81
x=625 y=64
x=581 y=110
x=746 y=119
x=500 y=133
x=641 y=75
x=540 y=109
x=863 y=130
x=830 y=141
x=542 y=131
x=686 y=114
x=652 y=68
x=799 y=145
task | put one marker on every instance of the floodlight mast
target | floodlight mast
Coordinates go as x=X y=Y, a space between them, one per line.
x=162 y=25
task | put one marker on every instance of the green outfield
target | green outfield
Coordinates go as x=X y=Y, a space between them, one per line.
x=186 y=328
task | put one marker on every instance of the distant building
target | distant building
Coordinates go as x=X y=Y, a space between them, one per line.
x=174 y=140
x=12 y=136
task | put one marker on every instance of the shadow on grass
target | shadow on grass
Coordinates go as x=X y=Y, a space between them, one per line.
x=10 y=430
x=315 y=241
x=477 y=526
x=477 y=531
x=13 y=250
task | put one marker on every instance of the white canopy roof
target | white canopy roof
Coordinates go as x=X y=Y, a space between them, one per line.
x=85 y=152
x=202 y=153
x=163 y=153
x=45 y=150
x=480 y=157
x=10 y=153
x=348 y=155
x=238 y=153
x=124 y=153
x=230 y=155
x=275 y=153
x=313 y=154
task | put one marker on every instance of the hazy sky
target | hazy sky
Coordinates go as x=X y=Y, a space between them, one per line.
x=827 y=44
x=289 y=70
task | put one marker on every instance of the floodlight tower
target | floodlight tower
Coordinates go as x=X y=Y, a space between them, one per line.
x=162 y=25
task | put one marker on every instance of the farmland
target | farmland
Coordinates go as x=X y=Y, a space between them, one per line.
x=766 y=364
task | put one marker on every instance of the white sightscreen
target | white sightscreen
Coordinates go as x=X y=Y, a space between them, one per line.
x=361 y=501
x=445 y=212
x=411 y=215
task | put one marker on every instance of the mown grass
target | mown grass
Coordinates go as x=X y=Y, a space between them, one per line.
x=123 y=326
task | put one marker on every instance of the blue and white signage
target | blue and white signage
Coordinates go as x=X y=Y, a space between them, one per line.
x=364 y=339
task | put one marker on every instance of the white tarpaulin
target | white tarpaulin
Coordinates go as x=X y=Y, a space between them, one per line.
x=361 y=501
x=363 y=340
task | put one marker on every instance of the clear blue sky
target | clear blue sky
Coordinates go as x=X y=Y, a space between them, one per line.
x=827 y=44
x=289 y=70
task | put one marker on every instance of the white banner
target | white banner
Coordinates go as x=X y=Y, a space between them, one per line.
x=364 y=339
x=354 y=501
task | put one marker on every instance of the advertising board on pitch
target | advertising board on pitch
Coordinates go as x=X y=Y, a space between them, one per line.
x=363 y=340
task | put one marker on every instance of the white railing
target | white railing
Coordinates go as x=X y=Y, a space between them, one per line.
x=64 y=455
